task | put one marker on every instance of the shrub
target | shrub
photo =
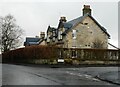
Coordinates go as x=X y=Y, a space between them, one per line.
x=30 y=53
x=68 y=61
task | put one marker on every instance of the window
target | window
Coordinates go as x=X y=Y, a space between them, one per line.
x=74 y=35
x=53 y=33
x=63 y=29
x=60 y=35
x=48 y=38
x=53 y=39
x=74 y=54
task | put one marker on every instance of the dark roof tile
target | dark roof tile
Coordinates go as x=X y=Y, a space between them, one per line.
x=68 y=25
x=32 y=39
x=75 y=21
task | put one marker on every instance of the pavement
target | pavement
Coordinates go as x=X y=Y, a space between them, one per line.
x=107 y=74
x=112 y=77
x=35 y=75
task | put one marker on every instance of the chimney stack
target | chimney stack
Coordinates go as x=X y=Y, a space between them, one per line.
x=86 y=10
x=42 y=35
x=63 y=19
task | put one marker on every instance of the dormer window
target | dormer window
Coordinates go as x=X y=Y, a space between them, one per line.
x=48 y=38
x=53 y=33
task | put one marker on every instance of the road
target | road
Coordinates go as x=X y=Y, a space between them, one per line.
x=31 y=75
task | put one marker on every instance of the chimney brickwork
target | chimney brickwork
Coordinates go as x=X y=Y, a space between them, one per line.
x=86 y=10
x=63 y=19
x=42 y=35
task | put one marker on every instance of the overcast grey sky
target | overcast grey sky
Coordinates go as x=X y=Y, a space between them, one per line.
x=34 y=16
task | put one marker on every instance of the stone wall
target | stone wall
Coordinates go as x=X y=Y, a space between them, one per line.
x=87 y=33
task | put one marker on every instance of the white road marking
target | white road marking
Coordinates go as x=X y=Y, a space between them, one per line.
x=83 y=75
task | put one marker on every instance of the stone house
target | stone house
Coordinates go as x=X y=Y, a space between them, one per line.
x=82 y=32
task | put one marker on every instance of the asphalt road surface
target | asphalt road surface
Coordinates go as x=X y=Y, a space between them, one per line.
x=31 y=75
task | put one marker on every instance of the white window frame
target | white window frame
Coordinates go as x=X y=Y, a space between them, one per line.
x=60 y=35
x=74 y=34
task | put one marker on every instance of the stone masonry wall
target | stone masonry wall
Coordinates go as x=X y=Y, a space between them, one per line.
x=87 y=32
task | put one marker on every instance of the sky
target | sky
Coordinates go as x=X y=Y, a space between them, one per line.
x=34 y=16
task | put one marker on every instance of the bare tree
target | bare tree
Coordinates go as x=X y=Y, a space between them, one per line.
x=98 y=44
x=11 y=33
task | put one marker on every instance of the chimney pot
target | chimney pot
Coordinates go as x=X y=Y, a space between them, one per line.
x=86 y=10
x=63 y=19
x=87 y=6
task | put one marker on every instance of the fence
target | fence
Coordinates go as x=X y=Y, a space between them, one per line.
x=89 y=54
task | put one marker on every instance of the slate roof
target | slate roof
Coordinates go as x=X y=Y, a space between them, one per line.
x=49 y=29
x=75 y=21
x=32 y=41
x=70 y=24
x=52 y=29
